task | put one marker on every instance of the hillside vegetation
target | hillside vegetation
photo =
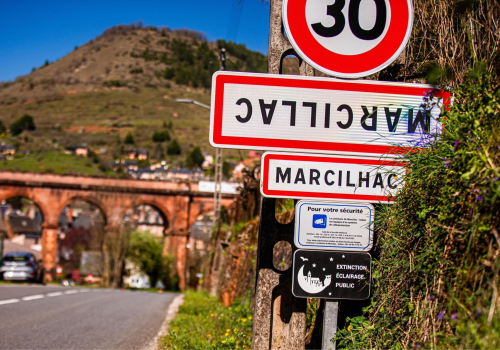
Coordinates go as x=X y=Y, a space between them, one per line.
x=437 y=280
x=123 y=82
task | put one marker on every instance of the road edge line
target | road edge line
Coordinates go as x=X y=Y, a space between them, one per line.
x=171 y=313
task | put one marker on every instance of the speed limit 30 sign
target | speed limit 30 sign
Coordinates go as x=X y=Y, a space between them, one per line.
x=348 y=38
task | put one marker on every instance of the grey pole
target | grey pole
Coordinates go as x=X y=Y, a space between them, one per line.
x=329 y=324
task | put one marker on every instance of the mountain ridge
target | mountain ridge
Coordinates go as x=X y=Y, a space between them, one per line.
x=125 y=81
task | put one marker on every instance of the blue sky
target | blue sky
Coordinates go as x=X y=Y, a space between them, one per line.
x=33 y=31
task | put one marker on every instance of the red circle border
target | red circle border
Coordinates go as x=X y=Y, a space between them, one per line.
x=379 y=56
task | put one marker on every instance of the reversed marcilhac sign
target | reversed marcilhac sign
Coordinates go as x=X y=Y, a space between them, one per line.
x=320 y=115
x=360 y=179
x=329 y=225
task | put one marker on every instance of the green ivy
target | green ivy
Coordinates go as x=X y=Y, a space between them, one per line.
x=436 y=284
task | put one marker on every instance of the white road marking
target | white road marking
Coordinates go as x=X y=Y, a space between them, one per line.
x=71 y=292
x=54 y=294
x=34 y=297
x=9 y=301
x=83 y=290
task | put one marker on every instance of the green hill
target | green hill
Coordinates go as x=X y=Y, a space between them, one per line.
x=124 y=81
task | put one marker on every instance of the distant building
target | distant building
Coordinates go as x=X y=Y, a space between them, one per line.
x=253 y=154
x=146 y=174
x=140 y=154
x=7 y=150
x=208 y=162
x=27 y=230
x=132 y=153
x=185 y=174
x=246 y=164
x=77 y=150
x=127 y=165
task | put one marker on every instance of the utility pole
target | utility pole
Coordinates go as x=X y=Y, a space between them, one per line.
x=279 y=317
x=218 y=163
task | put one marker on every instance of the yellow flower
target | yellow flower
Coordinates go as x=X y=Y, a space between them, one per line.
x=235 y=330
x=226 y=334
x=237 y=342
x=212 y=315
x=223 y=341
x=209 y=335
x=249 y=317
x=349 y=329
x=228 y=330
x=243 y=320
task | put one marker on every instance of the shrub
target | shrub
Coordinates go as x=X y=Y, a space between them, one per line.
x=136 y=71
x=24 y=123
x=161 y=136
x=146 y=252
x=113 y=83
x=173 y=148
x=195 y=158
x=3 y=129
x=436 y=283
x=129 y=139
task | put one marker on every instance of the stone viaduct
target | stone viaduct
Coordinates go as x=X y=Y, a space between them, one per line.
x=180 y=203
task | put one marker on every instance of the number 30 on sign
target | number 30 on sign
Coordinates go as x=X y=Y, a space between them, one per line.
x=348 y=38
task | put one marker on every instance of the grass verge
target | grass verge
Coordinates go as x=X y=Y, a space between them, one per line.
x=203 y=323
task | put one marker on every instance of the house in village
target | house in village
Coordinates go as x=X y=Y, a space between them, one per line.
x=7 y=151
x=140 y=154
x=77 y=150
x=126 y=165
x=208 y=162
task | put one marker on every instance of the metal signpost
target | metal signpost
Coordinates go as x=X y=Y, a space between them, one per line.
x=359 y=128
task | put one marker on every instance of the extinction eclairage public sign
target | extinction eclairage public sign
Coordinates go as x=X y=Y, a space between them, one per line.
x=316 y=176
x=331 y=274
x=320 y=115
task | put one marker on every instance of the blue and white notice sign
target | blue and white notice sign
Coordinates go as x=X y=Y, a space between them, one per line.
x=329 y=225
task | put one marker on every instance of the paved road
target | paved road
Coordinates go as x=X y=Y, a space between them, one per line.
x=52 y=317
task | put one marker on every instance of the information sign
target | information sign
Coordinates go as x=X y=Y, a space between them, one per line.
x=328 y=225
x=331 y=275
x=348 y=38
x=320 y=115
x=360 y=179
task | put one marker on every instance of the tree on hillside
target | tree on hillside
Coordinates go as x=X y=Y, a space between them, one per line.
x=161 y=136
x=195 y=158
x=24 y=123
x=3 y=129
x=129 y=139
x=173 y=148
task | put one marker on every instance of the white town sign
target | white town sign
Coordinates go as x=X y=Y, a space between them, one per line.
x=321 y=115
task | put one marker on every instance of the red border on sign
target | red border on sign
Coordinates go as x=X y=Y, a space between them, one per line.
x=268 y=143
x=305 y=158
x=348 y=64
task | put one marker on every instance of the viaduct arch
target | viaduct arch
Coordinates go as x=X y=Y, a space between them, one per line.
x=179 y=203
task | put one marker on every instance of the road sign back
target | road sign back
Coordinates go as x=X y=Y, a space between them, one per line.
x=348 y=38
